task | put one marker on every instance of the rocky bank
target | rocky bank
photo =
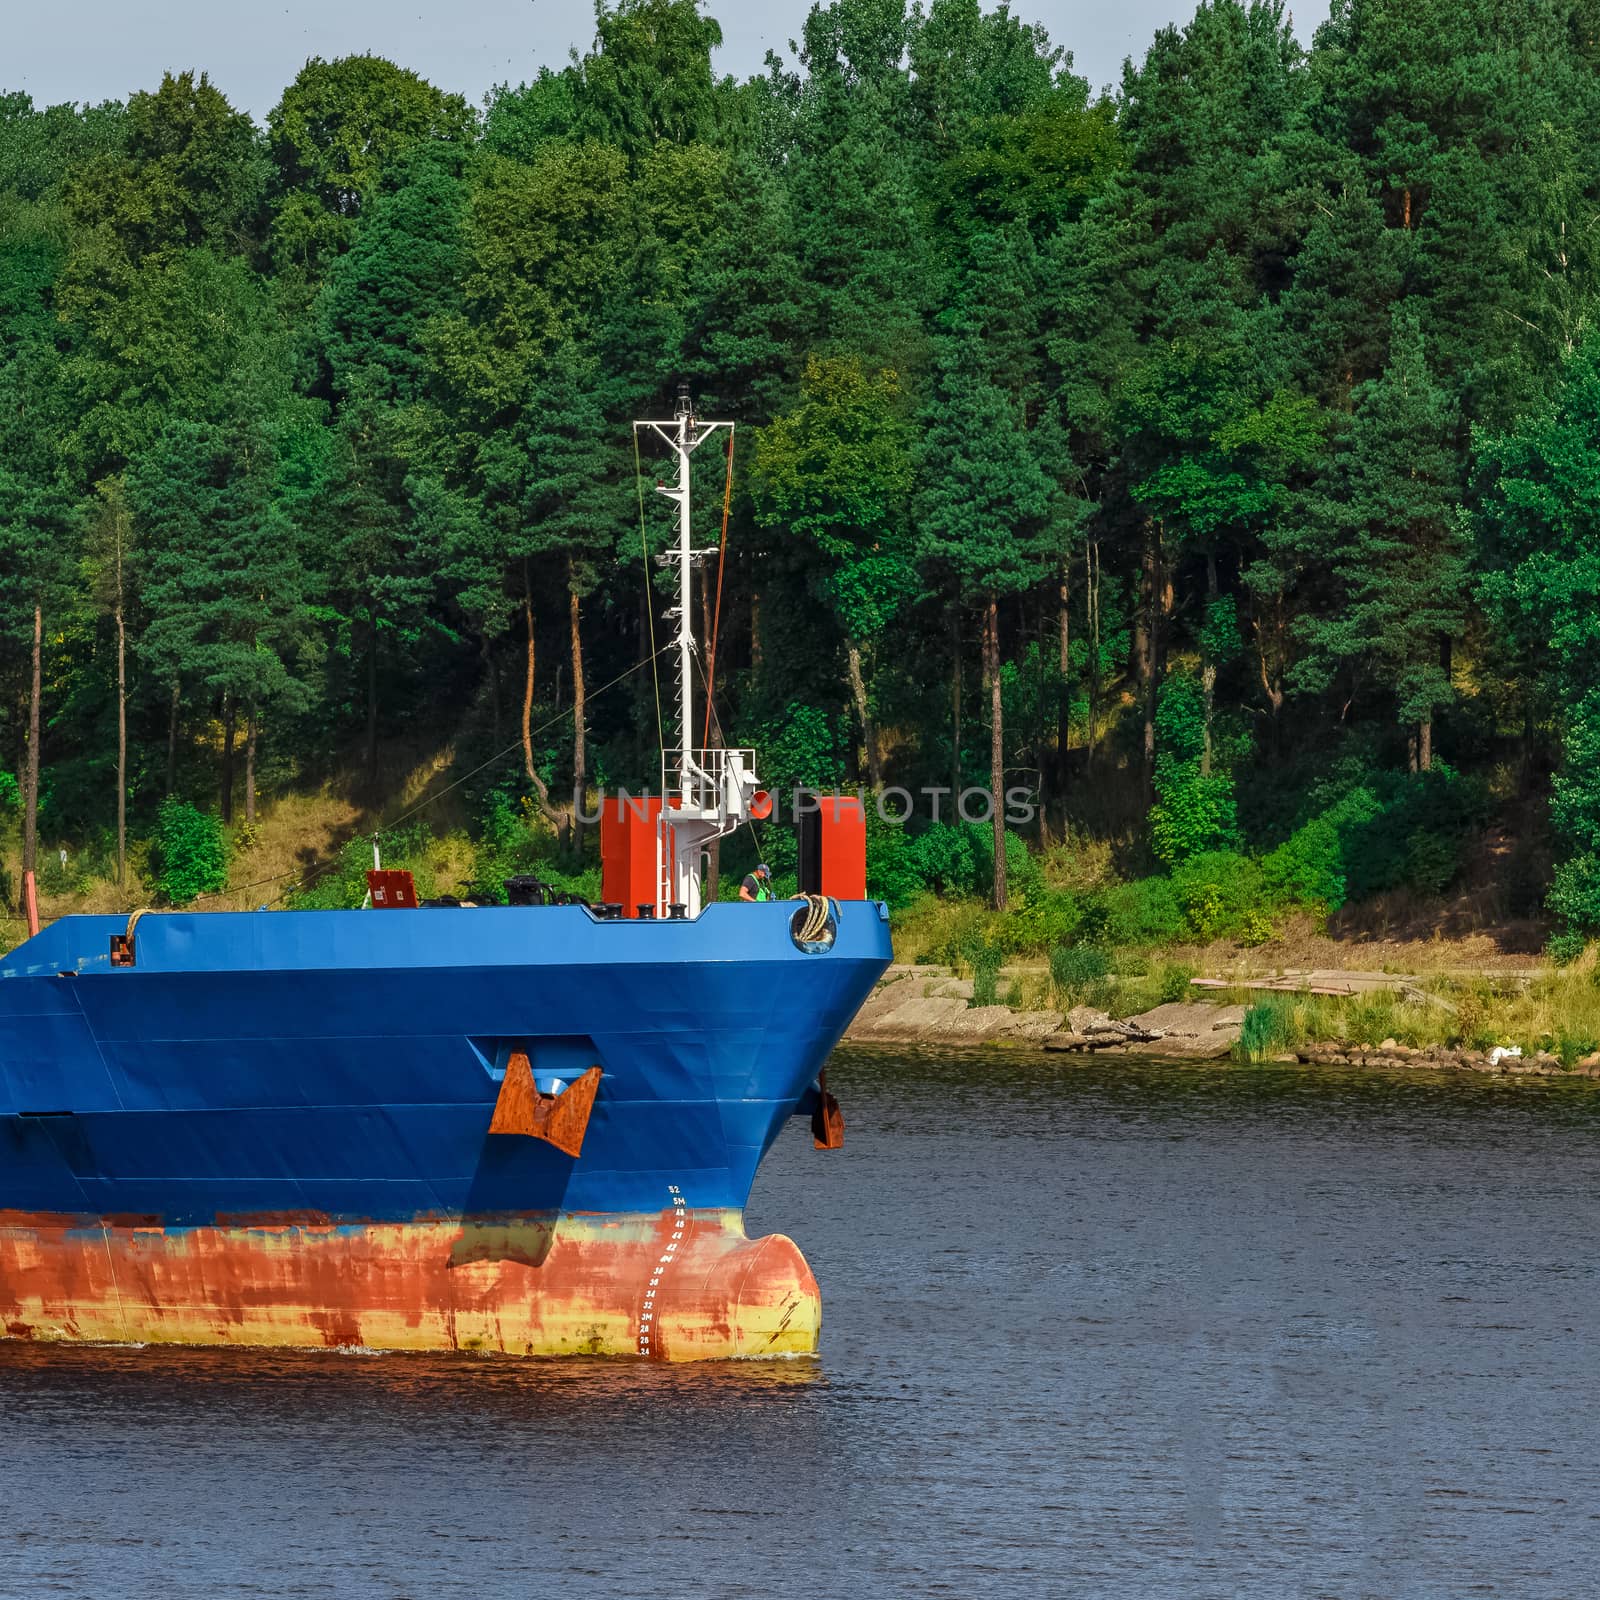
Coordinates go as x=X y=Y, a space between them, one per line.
x=929 y=1005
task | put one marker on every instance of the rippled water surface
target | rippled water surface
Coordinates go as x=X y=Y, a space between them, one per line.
x=1105 y=1330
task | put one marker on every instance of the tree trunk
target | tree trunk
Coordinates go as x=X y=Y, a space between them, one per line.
x=955 y=699
x=1091 y=603
x=755 y=632
x=869 y=734
x=228 y=718
x=1208 y=668
x=1063 y=695
x=491 y=678
x=1425 y=744
x=705 y=612
x=372 y=696
x=997 y=767
x=580 y=744
x=708 y=894
x=172 y=739
x=30 y=795
x=1146 y=645
x=122 y=728
x=540 y=789
x=1064 y=618
x=527 y=701
x=250 y=769
x=1270 y=663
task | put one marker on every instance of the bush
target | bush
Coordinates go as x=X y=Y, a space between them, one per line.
x=1414 y=833
x=1217 y=891
x=1308 y=867
x=1563 y=949
x=1387 y=830
x=1143 y=913
x=1194 y=811
x=893 y=874
x=1046 y=919
x=1575 y=895
x=192 y=858
x=1573 y=1047
x=1078 y=974
x=1431 y=862
x=342 y=886
x=1174 y=982
x=943 y=858
x=1024 y=875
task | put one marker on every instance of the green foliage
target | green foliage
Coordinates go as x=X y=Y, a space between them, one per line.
x=1562 y=949
x=1394 y=830
x=1217 y=891
x=338 y=127
x=1174 y=982
x=649 y=77
x=1540 y=518
x=1022 y=868
x=1143 y=913
x=191 y=854
x=10 y=791
x=946 y=858
x=985 y=960
x=1268 y=1030
x=837 y=471
x=1078 y=974
x=1572 y=1048
x=511 y=842
x=1047 y=918
x=1186 y=384
x=1392 y=535
x=1194 y=809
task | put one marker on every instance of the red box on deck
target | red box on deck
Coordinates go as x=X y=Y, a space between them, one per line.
x=628 y=852
x=844 y=848
x=391 y=890
x=833 y=846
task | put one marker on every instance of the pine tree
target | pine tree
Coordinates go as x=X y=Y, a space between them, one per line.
x=552 y=491
x=1538 y=525
x=223 y=579
x=836 y=472
x=981 y=508
x=402 y=270
x=1390 y=532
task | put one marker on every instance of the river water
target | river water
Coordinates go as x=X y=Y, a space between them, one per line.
x=1104 y=1330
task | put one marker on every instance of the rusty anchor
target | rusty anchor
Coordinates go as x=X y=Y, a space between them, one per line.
x=559 y=1119
x=827 y=1119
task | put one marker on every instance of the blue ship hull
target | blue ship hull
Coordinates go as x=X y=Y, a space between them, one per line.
x=339 y=1071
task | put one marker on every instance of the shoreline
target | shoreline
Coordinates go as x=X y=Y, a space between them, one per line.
x=931 y=1006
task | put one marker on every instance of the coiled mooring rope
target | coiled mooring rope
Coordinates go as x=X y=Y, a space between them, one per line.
x=816 y=923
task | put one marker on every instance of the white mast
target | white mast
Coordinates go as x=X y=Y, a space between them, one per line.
x=713 y=787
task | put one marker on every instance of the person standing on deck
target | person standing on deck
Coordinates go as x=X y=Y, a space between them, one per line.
x=758 y=884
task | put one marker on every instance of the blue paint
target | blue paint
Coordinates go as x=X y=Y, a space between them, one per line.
x=347 y=1062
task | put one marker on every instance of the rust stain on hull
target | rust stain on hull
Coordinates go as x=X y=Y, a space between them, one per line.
x=538 y=1286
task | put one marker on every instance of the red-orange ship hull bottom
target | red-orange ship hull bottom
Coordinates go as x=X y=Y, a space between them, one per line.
x=680 y=1286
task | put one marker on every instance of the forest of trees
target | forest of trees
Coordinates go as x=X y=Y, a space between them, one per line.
x=1202 y=457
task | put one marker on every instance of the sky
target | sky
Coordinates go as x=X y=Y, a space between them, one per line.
x=91 y=50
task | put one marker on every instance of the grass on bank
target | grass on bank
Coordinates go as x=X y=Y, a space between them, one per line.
x=1557 y=1011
